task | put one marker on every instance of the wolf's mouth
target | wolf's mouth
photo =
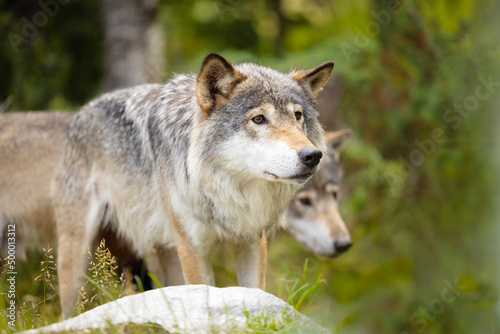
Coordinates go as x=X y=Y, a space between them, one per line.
x=298 y=177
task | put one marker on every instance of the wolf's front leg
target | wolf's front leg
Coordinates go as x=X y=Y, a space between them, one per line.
x=74 y=242
x=195 y=261
x=71 y=263
x=251 y=263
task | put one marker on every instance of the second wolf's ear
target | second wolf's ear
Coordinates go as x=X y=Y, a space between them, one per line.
x=336 y=141
x=315 y=78
x=215 y=82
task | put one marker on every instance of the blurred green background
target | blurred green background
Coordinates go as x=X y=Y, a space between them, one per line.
x=417 y=82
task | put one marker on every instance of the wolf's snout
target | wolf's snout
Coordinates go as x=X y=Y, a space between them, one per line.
x=342 y=246
x=310 y=156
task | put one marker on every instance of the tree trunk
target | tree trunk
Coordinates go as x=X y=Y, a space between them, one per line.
x=280 y=38
x=133 y=43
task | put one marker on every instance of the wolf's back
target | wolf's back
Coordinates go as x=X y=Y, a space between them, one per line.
x=129 y=127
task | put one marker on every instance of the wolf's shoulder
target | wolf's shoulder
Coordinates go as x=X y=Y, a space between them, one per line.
x=135 y=101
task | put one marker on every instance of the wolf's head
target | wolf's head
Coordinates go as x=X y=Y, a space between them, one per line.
x=261 y=122
x=313 y=215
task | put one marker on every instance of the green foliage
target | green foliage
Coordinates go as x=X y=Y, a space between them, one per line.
x=56 y=65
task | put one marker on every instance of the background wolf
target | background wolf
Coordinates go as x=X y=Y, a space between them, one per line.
x=30 y=147
x=313 y=216
x=196 y=161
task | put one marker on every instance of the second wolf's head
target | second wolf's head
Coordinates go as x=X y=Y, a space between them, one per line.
x=261 y=123
x=313 y=215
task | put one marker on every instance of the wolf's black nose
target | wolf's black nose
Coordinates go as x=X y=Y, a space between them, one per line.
x=342 y=246
x=310 y=156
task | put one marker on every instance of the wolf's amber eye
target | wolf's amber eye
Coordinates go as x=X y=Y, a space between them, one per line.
x=260 y=119
x=298 y=115
x=305 y=201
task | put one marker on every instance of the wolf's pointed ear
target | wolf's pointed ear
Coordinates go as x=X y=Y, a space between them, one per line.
x=315 y=78
x=215 y=82
x=336 y=141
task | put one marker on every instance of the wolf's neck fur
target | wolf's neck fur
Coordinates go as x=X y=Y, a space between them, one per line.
x=239 y=204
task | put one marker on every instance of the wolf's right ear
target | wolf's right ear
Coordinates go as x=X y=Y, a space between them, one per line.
x=336 y=141
x=215 y=82
x=315 y=78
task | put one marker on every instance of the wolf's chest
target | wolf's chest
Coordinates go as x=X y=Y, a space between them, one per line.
x=243 y=210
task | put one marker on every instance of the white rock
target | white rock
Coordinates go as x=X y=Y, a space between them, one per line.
x=188 y=309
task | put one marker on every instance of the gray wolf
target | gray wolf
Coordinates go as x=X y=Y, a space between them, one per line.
x=203 y=159
x=313 y=216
